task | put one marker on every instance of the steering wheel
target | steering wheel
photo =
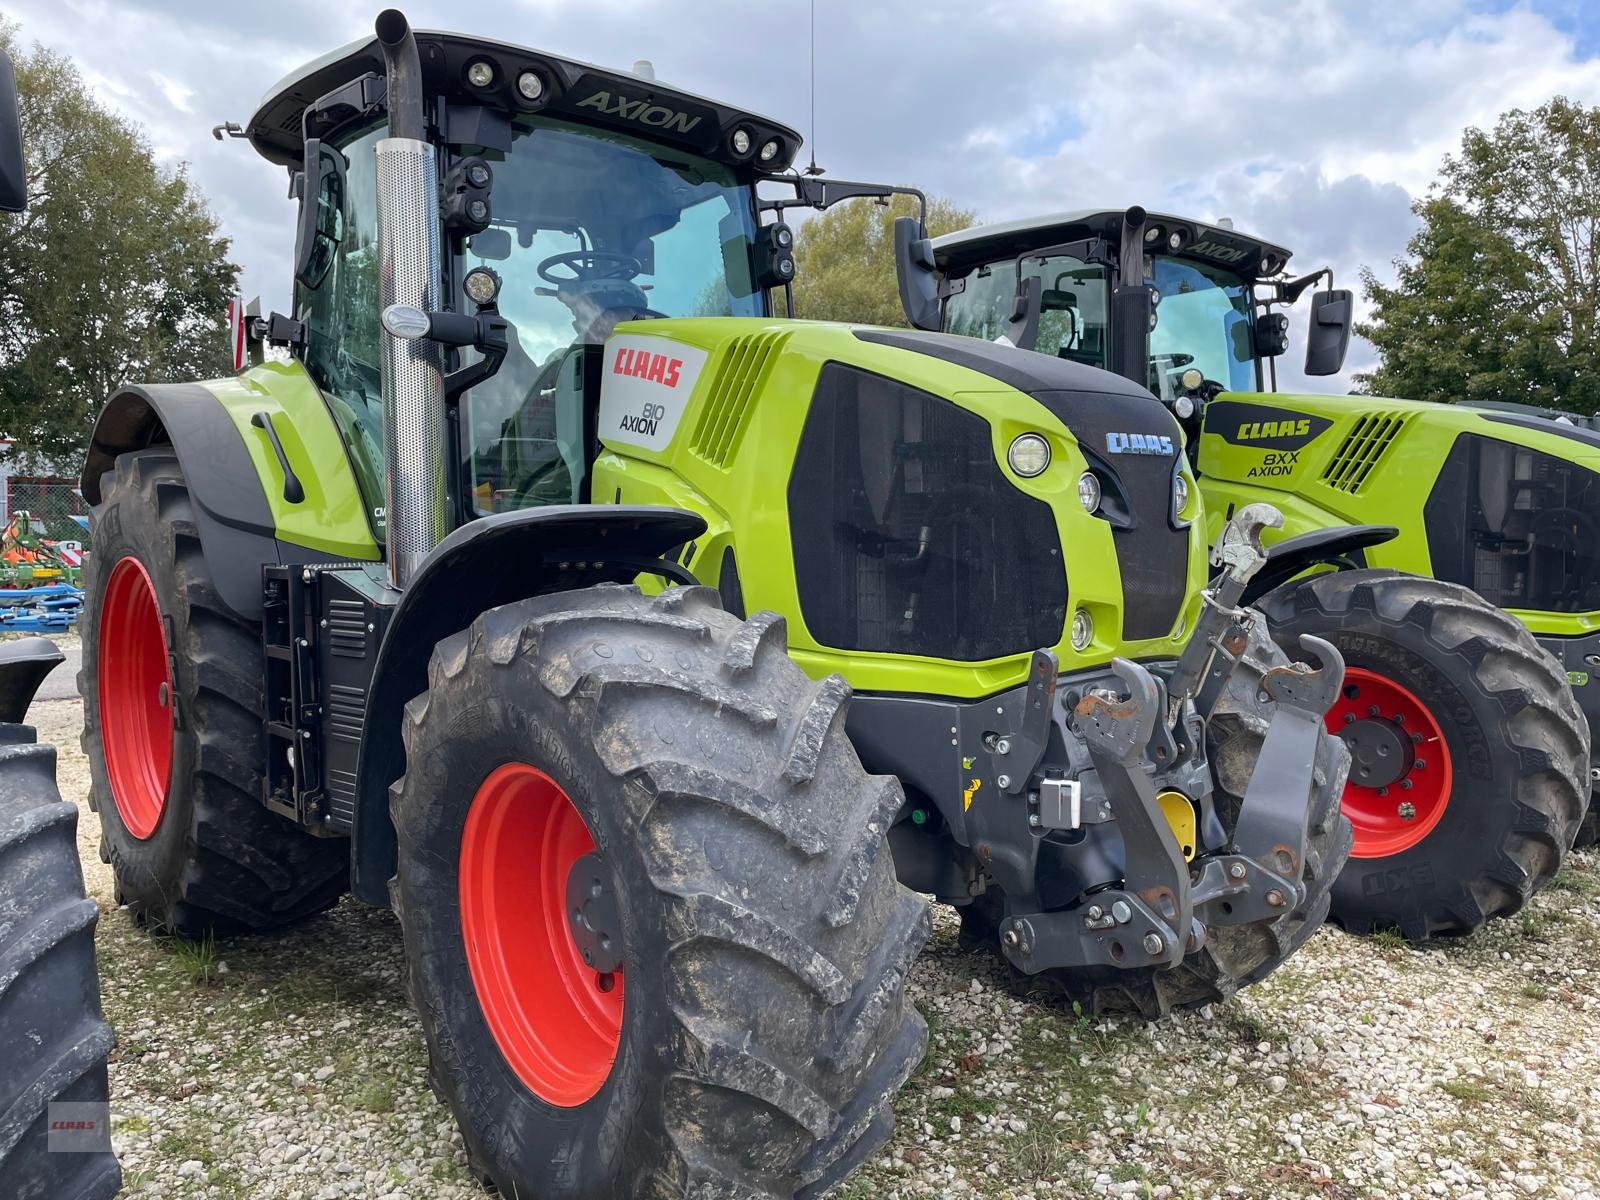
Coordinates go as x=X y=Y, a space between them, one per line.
x=589 y=264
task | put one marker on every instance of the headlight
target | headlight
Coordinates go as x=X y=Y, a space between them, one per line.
x=481 y=284
x=1180 y=493
x=1089 y=491
x=741 y=141
x=1082 y=629
x=1029 y=455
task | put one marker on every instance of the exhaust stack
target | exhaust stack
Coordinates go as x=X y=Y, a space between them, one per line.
x=414 y=442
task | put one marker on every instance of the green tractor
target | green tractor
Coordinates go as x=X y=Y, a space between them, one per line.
x=1407 y=528
x=648 y=654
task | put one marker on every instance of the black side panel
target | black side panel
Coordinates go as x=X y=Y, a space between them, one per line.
x=1343 y=545
x=1022 y=369
x=1518 y=526
x=907 y=536
x=490 y=562
x=236 y=525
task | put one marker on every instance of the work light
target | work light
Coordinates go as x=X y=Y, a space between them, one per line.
x=740 y=141
x=480 y=74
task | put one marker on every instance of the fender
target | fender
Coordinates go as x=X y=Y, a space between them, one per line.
x=235 y=521
x=1339 y=546
x=489 y=562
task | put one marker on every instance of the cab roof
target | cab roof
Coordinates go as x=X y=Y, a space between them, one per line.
x=956 y=253
x=571 y=89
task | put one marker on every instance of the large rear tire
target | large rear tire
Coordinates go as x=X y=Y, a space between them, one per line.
x=1470 y=769
x=174 y=697
x=53 y=1039
x=739 y=1026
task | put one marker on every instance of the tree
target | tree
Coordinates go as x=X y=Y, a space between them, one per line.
x=844 y=259
x=1496 y=299
x=115 y=272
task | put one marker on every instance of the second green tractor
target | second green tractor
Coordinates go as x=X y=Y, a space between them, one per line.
x=1452 y=554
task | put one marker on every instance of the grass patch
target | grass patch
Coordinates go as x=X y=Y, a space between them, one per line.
x=132 y=1125
x=197 y=959
x=1040 y=1154
x=1464 y=1089
x=377 y=1096
x=1388 y=939
x=1535 y=991
x=1535 y=925
x=1579 y=883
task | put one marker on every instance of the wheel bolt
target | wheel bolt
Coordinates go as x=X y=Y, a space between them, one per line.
x=1383 y=791
x=1399 y=718
x=1406 y=785
x=1153 y=943
x=1421 y=764
x=1349 y=718
x=1372 y=710
x=1407 y=810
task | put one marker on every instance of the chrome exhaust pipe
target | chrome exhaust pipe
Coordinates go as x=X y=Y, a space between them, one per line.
x=416 y=479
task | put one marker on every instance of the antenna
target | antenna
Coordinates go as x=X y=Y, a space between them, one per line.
x=813 y=169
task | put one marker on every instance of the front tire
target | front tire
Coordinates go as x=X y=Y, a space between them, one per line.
x=1470 y=769
x=173 y=687
x=739 y=1027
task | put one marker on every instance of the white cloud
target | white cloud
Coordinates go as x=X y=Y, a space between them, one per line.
x=1311 y=124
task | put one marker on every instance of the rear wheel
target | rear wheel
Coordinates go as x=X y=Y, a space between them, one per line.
x=173 y=685
x=53 y=1040
x=1469 y=758
x=652 y=926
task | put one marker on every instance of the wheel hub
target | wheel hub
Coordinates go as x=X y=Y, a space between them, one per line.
x=1380 y=751
x=1400 y=767
x=592 y=912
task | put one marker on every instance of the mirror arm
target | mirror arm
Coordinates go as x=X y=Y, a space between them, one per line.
x=1290 y=293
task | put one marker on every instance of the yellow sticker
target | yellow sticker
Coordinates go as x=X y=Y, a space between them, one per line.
x=971 y=790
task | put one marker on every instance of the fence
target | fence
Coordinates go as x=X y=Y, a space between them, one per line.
x=55 y=500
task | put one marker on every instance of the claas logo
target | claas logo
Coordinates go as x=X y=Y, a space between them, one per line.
x=1255 y=431
x=654 y=368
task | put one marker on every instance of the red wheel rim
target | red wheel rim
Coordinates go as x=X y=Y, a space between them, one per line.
x=135 y=697
x=1400 y=770
x=556 y=1020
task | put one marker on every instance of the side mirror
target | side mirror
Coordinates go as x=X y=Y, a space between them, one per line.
x=321 y=213
x=913 y=264
x=1022 y=326
x=13 y=175
x=1328 y=339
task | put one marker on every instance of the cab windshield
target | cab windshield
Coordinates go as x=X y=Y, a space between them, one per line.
x=590 y=229
x=1202 y=320
x=1072 y=317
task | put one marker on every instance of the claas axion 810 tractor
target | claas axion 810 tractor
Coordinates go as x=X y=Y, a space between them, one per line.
x=1471 y=761
x=647 y=653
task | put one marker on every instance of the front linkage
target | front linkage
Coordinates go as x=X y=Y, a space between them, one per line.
x=1102 y=764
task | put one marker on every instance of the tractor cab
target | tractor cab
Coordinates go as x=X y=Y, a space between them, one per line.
x=575 y=198
x=1152 y=296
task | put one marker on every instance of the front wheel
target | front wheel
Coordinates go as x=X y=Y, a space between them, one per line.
x=1469 y=758
x=652 y=927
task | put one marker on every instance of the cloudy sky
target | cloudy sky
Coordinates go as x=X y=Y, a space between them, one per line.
x=1310 y=123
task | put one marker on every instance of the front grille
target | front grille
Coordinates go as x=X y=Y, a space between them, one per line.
x=722 y=419
x=1519 y=527
x=907 y=536
x=1360 y=451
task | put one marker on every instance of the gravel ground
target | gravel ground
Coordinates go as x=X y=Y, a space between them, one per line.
x=289 y=1066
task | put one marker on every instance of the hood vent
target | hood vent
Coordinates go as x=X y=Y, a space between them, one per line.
x=1363 y=447
x=728 y=401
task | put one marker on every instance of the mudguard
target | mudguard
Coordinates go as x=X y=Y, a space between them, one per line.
x=1339 y=545
x=23 y=665
x=235 y=521
x=486 y=563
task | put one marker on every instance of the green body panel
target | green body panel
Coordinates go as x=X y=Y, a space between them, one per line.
x=745 y=502
x=333 y=516
x=1237 y=470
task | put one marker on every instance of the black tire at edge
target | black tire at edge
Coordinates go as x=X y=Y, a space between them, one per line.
x=53 y=1038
